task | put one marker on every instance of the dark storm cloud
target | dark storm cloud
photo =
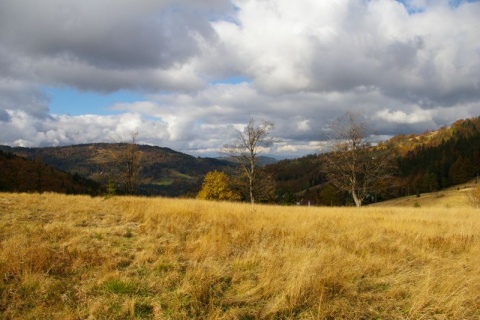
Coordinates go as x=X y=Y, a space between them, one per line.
x=114 y=41
x=105 y=34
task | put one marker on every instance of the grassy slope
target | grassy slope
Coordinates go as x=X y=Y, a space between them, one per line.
x=455 y=196
x=72 y=257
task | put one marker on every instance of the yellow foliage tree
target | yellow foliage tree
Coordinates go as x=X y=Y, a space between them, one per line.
x=217 y=186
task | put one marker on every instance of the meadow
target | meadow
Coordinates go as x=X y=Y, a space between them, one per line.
x=77 y=257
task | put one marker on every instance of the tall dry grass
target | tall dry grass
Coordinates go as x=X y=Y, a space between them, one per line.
x=75 y=257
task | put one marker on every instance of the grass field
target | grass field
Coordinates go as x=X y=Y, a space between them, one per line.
x=453 y=197
x=76 y=257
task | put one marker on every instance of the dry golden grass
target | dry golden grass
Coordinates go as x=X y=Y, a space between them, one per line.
x=453 y=197
x=76 y=257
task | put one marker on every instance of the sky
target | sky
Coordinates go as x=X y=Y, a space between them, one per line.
x=188 y=74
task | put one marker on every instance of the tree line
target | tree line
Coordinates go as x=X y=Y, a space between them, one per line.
x=250 y=182
x=353 y=165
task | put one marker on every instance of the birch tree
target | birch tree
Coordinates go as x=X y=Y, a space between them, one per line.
x=124 y=161
x=245 y=149
x=353 y=165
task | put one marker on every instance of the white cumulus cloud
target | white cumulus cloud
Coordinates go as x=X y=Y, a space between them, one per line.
x=410 y=65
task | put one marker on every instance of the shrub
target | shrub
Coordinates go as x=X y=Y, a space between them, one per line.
x=217 y=186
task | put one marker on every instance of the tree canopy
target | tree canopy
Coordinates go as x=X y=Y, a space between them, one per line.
x=217 y=186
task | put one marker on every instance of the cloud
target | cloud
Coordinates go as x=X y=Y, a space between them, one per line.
x=426 y=58
x=410 y=65
x=26 y=130
x=102 y=46
x=399 y=116
x=107 y=34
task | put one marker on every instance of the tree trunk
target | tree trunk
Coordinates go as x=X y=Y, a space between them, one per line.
x=358 y=202
x=250 y=185
x=252 y=174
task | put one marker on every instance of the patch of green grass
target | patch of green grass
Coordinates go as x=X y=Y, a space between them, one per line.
x=121 y=287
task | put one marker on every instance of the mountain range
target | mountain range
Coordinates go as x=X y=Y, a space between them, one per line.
x=425 y=162
x=170 y=173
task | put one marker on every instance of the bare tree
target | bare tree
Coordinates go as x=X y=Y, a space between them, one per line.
x=124 y=160
x=353 y=165
x=131 y=159
x=246 y=148
x=264 y=188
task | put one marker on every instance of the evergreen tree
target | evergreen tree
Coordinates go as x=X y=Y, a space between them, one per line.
x=111 y=189
x=459 y=171
x=329 y=196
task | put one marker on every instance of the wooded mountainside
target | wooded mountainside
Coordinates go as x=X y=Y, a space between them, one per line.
x=446 y=157
x=166 y=172
x=424 y=163
x=19 y=174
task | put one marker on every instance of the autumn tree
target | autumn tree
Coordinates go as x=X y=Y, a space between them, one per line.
x=245 y=148
x=217 y=186
x=353 y=165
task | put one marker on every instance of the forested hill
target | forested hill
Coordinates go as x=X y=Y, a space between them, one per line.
x=459 y=130
x=163 y=171
x=439 y=159
x=18 y=174
x=426 y=162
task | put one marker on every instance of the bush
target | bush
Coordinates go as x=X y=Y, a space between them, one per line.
x=217 y=186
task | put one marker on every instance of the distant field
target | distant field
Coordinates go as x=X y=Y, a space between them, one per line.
x=76 y=257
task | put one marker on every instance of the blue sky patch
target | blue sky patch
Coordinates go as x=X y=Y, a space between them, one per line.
x=74 y=102
x=232 y=80
x=415 y=9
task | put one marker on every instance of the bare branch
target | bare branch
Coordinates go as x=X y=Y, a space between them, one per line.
x=246 y=147
x=124 y=161
x=353 y=165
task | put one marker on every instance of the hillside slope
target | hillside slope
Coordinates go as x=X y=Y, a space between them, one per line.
x=452 y=197
x=165 y=171
x=427 y=162
x=18 y=174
